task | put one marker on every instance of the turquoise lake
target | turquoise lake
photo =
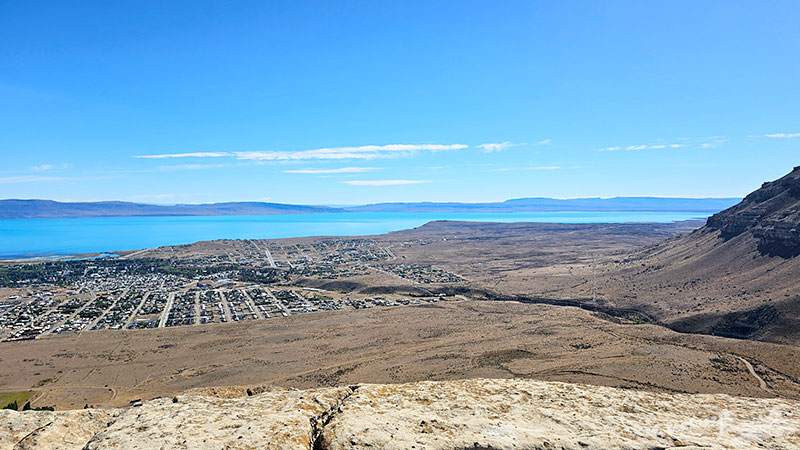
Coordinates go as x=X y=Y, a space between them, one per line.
x=42 y=237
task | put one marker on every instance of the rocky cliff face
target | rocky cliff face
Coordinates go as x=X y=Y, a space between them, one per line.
x=473 y=414
x=771 y=214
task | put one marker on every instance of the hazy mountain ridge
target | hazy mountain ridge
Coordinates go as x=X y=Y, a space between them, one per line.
x=650 y=204
x=18 y=209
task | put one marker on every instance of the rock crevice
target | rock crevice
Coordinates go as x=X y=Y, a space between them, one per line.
x=319 y=422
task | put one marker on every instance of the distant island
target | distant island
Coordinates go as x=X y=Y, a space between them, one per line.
x=29 y=209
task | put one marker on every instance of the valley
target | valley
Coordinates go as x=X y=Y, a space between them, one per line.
x=662 y=307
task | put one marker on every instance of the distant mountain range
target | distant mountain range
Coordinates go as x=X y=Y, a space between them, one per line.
x=551 y=204
x=17 y=209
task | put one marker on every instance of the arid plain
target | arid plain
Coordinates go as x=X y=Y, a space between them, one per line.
x=504 y=312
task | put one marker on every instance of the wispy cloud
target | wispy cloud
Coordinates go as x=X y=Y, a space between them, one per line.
x=703 y=142
x=44 y=167
x=497 y=146
x=700 y=142
x=631 y=148
x=683 y=142
x=782 y=135
x=191 y=167
x=362 y=152
x=187 y=155
x=44 y=179
x=491 y=147
x=383 y=182
x=28 y=179
x=339 y=170
x=508 y=169
x=544 y=168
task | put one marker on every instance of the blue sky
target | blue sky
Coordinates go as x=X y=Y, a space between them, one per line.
x=358 y=102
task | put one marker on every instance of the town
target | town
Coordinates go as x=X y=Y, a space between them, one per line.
x=202 y=283
x=40 y=313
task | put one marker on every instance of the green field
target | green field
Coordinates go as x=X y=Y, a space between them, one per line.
x=9 y=397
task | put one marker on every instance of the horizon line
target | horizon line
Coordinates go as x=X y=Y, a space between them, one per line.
x=341 y=205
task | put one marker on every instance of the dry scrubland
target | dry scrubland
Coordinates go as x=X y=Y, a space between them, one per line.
x=446 y=341
x=670 y=308
x=455 y=339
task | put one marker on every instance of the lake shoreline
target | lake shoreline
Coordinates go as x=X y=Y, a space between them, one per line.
x=27 y=239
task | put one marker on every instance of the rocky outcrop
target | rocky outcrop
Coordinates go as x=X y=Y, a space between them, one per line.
x=523 y=414
x=45 y=429
x=473 y=414
x=275 y=420
x=771 y=214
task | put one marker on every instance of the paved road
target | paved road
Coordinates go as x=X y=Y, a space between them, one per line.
x=75 y=313
x=167 y=308
x=266 y=252
x=197 y=308
x=136 y=311
x=389 y=251
x=278 y=302
x=130 y=255
x=225 y=307
x=97 y=319
x=252 y=304
x=269 y=257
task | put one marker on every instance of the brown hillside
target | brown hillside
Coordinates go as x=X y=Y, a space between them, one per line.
x=737 y=276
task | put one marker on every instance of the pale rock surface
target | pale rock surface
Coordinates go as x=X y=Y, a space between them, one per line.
x=525 y=414
x=46 y=429
x=282 y=419
x=470 y=414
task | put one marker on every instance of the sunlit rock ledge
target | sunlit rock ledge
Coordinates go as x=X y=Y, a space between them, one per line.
x=469 y=414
